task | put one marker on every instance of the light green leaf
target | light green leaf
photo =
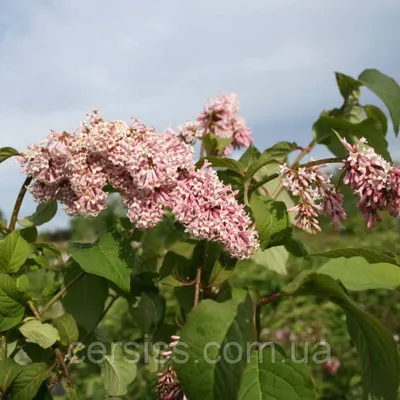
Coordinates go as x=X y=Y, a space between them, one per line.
x=271 y=376
x=207 y=331
x=387 y=90
x=85 y=299
x=357 y=274
x=44 y=213
x=14 y=250
x=7 y=152
x=118 y=371
x=45 y=335
x=272 y=221
x=371 y=256
x=28 y=382
x=67 y=329
x=111 y=257
x=377 y=350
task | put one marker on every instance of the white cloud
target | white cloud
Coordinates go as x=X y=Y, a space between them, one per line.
x=160 y=60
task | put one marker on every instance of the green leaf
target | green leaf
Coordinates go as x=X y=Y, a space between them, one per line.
x=23 y=284
x=374 y=112
x=28 y=382
x=206 y=334
x=325 y=127
x=371 y=256
x=348 y=86
x=357 y=274
x=11 y=299
x=67 y=329
x=7 y=323
x=149 y=312
x=272 y=221
x=14 y=250
x=256 y=165
x=7 y=152
x=85 y=299
x=271 y=376
x=249 y=156
x=377 y=351
x=117 y=371
x=215 y=145
x=111 y=257
x=9 y=370
x=44 y=213
x=227 y=163
x=279 y=150
x=45 y=335
x=30 y=234
x=387 y=90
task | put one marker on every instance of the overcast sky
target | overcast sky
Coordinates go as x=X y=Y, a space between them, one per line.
x=161 y=60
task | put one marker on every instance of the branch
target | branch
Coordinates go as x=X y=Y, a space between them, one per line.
x=198 y=287
x=261 y=303
x=61 y=362
x=3 y=347
x=18 y=203
x=34 y=310
x=60 y=293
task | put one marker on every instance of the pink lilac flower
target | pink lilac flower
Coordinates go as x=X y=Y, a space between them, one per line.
x=374 y=180
x=317 y=195
x=168 y=387
x=154 y=173
x=332 y=365
x=208 y=209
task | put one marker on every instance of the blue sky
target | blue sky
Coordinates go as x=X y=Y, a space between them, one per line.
x=161 y=60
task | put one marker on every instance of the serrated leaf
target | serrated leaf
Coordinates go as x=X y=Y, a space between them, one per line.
x=45 y=335
x=387 y=90
x=377 y=350
x=28 y=382
x=7 y=152
x=86 y=298
x=218 y=324
x=357 y=274
x=14 y=250
x=271 y=376
x=111 y=257
x=67 y=329
x=117 y=371
x=9 y=370
x=272 y=221
x=371 y=256
x=44 y=213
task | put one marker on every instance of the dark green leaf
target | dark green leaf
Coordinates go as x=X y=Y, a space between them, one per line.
x=227 y=163
x=387 y=90
x=7 y=323
x=111 y=257
x=67 y=329
x=7 y=152
x=30 y=234
x=11 y=299
x=217 y=324
x=272 y=220
x=371 y=256
x=28 y=382
x=279 y=150
x=9 y=370
x=374 y=112
x=14 y=250
x=271 y=376
x=249 y=156
x=376 y=347
x=85 y=299
x=44 y=213
x=348 y=86
x=149 y=312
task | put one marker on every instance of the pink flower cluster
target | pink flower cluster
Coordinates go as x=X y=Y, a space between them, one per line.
x=168 y=388
x=220 y=118
x=375 y=181
x=317 y=195
x=154 y=173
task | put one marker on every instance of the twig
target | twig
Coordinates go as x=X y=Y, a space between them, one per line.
x=3 y=347
x=18 y=203
x=261 y=303
x=60 y=359
x=34 y=310
x=60 y=293
x=198 y=287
